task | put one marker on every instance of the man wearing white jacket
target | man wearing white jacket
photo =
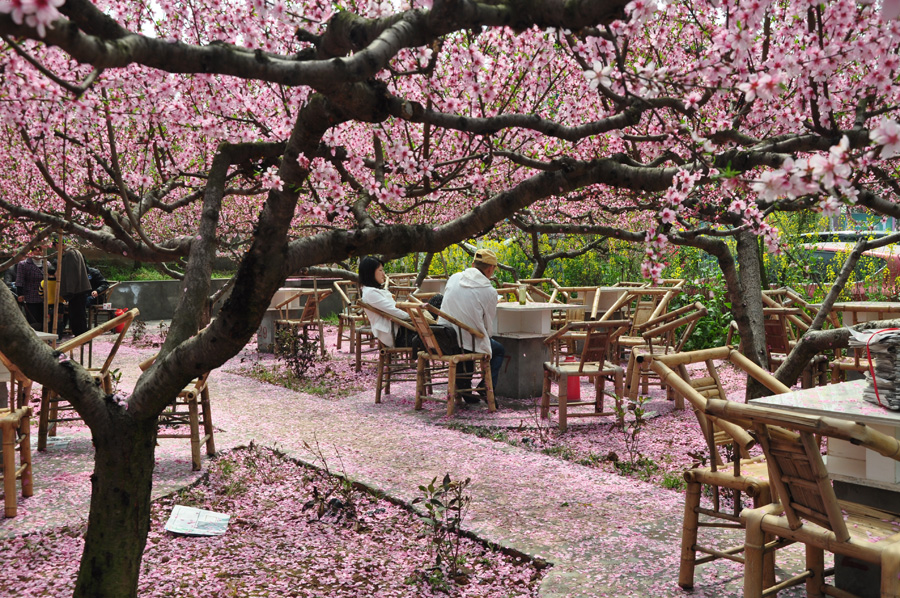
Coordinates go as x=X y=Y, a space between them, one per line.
x=471 y=298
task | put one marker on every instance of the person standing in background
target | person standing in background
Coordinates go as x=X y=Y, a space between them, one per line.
x=29 y=276
x=74 y=287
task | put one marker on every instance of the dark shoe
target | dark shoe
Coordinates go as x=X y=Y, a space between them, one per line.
x=469 y=397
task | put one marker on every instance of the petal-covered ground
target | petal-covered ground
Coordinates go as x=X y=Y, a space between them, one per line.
x=557 y=497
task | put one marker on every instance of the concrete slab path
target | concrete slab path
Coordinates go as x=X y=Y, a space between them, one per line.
x=606 y=535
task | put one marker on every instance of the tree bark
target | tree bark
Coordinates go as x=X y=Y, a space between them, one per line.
x=120 y=509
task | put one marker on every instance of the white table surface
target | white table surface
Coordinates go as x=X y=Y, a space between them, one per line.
x=844 y=401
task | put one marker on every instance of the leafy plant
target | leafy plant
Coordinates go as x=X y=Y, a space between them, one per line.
x=138 y=330
x=631 y=429
x=333 y=493
x=294 y=347
x=445 y=506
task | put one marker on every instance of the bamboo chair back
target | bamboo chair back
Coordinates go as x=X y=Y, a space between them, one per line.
x=673 y=329
x=597 y=338
x=422 y=327
x=540 y=290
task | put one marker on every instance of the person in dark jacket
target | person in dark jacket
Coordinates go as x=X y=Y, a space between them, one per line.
x=74 y=287
x=99 y=285
x=29 y=277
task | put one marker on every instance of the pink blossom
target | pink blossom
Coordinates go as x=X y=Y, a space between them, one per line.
x=887 y=134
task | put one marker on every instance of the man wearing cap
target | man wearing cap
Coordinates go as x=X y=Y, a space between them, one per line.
x=470 y=298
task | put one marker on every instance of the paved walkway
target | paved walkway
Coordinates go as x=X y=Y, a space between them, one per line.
x=606 y=535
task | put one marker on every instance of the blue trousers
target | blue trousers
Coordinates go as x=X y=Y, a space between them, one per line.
x=467 y=368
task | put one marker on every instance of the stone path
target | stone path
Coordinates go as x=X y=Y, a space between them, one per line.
x=606 y=535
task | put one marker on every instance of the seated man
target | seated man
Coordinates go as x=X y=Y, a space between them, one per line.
x=99 y=285
x=470 y=298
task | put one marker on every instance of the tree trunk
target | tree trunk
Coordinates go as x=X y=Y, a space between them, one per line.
x=120 y=510
x=750 y=315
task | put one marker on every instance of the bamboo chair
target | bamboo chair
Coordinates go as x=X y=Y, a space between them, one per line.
x=351 y=316
x=808 y=510
x=746 y=476
x=642 y=305
x=191 y=408
x=395 y=364
x=309 y=316
x=779 y=344
x=432 y=363
x=15 y=436
x=55 y=409
x=666 y=334
x=593 y=364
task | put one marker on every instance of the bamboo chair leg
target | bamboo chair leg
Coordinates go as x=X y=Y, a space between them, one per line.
x=8 y=433
x=383 y=356
x=488 y=383
x=599 y=389
x=53 y=413
x=420 y=381
x=563 y=397
x=451 y=387
x=43 y=420
x=689 y=528
x=815 y=562
x=207 y=422
x=194 y=419
x=753 y=555
x=322 y=338
x=890 y=571
x=545 y=395
x=632 y=377
x=358 y=355
x=25 y=456
x=340 y=333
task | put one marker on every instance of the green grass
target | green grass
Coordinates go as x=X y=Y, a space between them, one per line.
x=143 y=272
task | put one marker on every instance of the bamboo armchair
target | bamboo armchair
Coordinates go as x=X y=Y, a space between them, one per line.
x=433 y=363
x=15 y=436
x=746 y=476
x=666 y=334
x=309 y=316
x=55 y=409
x=191 y=408
x=395 y=364
x=808 y=510
x=642 y=304
x=351 y=316
x=593 y=364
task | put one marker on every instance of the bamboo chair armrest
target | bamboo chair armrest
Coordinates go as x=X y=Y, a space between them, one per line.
x=342 y=294
x=293 y=297
x=93 y=333
x=674 y=324
x=394 y=320
x=439 y=314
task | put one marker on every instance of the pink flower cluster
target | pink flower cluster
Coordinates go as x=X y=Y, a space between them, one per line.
x=34 y=13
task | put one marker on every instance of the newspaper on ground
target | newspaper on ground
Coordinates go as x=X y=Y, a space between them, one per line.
x=884 y=348
x=190 y=521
